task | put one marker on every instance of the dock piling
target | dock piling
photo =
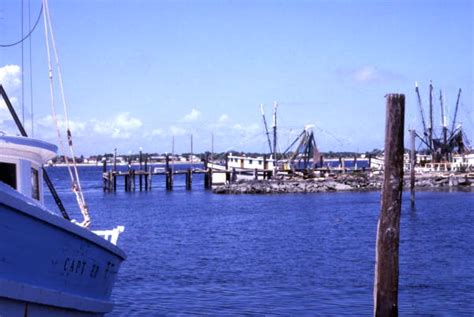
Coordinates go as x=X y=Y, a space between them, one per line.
x=412 y=166
x=388 y=227
x=189 y=178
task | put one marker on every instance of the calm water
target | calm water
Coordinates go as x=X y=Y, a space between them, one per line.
x=197 y=253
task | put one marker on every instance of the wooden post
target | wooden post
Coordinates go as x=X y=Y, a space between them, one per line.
x=150 y=178
x=168 y=173
x=171 y=175
x=115 y=181
x=388 y=227
x=189 y=178
x=109 y=181
x=227 y=172
x=133 y=180
x=115 y=159
x=209 y=179
x=104 y=173
x=206 y=173
x=265 y=165
x=140 y=176
x=255 y=174
x=412 y=166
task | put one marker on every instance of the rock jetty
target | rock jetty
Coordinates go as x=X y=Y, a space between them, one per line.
x=343 y=182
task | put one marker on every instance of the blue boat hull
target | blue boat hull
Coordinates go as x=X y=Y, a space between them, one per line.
x=49 y=264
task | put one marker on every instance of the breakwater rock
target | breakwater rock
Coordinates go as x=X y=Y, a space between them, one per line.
x=344 y=182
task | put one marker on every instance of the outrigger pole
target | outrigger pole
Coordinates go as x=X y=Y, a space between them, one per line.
x=47 y=180
x=455 y=114
x=266 y=128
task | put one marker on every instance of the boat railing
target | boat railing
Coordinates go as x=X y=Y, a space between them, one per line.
x=110 y=235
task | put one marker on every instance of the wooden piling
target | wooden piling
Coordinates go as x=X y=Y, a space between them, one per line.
x=133 y=180
x=169 y=174
x=209 y=179
x=207 y=174
x=189 y=178
x=412 y=166
x=104 y=173
x=265 y=167
x=388 y=227
x=140 y=169
x=109 y=181
x=115 y=160
x=149 y=178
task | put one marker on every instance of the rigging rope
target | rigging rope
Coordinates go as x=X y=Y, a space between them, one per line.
x=73 y=172
x=31 y=72
x=22 y=67
x=28 y=34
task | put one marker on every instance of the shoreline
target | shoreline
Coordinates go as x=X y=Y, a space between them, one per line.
x=344 y=182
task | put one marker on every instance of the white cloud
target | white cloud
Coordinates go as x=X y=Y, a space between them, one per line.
x=192 y=116
x=121 y=126
x=246 y=130
x=157 y=132
x=154 y=133
x=10 y=80
x=48 y=122
x=125 y=121
x=223 y=119
x=369 y=74
x=366 y=74
x=177 y=130
x=10 y=77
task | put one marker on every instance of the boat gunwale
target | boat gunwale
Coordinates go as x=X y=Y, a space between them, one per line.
x=39 y=212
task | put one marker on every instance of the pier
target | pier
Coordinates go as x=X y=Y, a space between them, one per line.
x=144 y=176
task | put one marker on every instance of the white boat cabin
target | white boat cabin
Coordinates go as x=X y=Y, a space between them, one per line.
x=21 y=162
x=251 y=163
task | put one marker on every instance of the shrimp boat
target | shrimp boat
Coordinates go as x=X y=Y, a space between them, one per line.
x=49 y=266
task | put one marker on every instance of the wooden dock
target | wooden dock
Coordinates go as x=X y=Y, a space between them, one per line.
x=143 y=178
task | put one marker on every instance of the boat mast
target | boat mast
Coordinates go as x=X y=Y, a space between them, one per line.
x=275 y=106
x=430 y=127
x=266 y=128
x=443 y=119
x=420 y=105
x=455 y=112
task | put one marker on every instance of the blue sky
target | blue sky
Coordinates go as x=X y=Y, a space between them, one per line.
x=137 y=73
